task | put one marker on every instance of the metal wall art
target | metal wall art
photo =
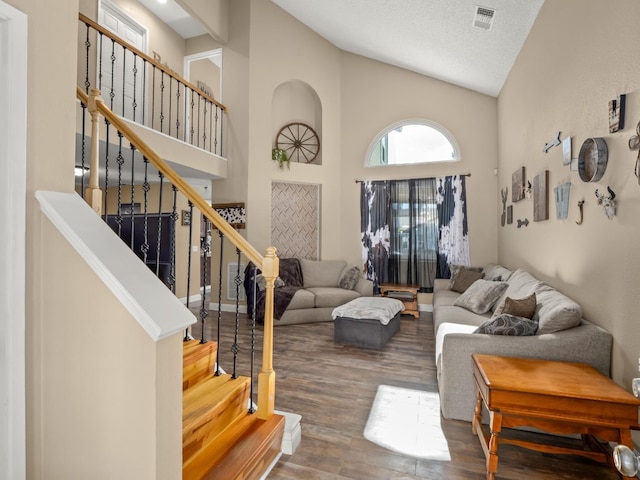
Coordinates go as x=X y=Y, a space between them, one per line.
x=504 y=194
x=561 y=193
x=523 y=223
x=541 y=196
x=592 y=159
x=553 y=143
x=616 y=113
x=517 y=185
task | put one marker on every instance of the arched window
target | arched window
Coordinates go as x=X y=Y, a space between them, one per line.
x=412 y=141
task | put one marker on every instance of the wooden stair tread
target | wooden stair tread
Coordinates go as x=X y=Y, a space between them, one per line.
x=209 y=394
x=193 y=350
x=253 y=452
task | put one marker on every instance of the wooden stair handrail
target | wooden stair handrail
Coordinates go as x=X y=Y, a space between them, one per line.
x=269 y=264
x=149 y=59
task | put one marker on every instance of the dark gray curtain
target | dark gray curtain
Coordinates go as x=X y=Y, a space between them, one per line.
x=400 y=231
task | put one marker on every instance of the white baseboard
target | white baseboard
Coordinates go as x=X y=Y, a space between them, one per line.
x=292 y=432
x=425 y=307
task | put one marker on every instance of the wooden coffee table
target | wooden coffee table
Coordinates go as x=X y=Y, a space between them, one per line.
x=407 y=294
x=556 y=397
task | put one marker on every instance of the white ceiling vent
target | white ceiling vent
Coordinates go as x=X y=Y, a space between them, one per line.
x=484 y=17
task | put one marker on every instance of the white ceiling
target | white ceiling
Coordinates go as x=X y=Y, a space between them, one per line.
x=432 y=37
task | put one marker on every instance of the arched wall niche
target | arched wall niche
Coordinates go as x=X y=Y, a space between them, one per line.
x=297 y=101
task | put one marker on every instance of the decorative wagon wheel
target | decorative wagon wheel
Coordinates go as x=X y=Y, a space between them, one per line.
x=300 y=141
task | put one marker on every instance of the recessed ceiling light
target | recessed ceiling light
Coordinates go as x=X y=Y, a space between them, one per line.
x=162 y=1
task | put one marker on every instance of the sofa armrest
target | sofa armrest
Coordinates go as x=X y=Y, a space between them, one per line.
x=586 y=343
x=364 y=287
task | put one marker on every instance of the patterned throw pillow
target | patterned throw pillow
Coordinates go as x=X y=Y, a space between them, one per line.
x=506 y=324
x=480 y=296
x=349 y=278
x=522 y=307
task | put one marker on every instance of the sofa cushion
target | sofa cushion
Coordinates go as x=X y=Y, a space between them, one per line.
x=444 y=298
x=321 y=273
x=465 y=279
x=481 y=295
x=555 y=311
x=302 y=299
x=332 y=296
x=520 y=307
x=506 y=324
x=459 y=315
x=496 y=273
x=349 y=277
x=521 y=284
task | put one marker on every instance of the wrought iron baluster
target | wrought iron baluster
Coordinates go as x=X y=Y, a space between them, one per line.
x=192 y=121
x=112 y=93
x=106 y=167
x=189 y=255
x=205 y=248
x=133 y=197
x=186 y=96
x=253 y=336
x=174 y=218
x=124 y=75
x=159 y=224
x=204 y=129
x=215 y=148
x=135 y=77
x=235 y=348
x=83 y=148
x=198 y=134
x=145 y=188
x=120 y=160
x=87 y=44
x=170 y=104
x=211 y=126
x=177 y=109
x=153 y=96
x=144 y=90
x=161 y=99
x=221 y=130
x=221 y=235
x=100 y=62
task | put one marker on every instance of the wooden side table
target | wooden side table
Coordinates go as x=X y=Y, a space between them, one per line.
x=407 y=294
x=557 y=397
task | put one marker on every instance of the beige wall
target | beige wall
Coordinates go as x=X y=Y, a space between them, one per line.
x=315 y=62
x=60 y=368
x=374 y=96
x=579 y=55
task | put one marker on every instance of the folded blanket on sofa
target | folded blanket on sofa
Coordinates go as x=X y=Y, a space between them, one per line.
x=290 y=273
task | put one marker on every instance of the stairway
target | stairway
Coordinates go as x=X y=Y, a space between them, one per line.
x=220 y=439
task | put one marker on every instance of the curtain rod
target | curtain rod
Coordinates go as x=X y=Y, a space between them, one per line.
x=458 y=175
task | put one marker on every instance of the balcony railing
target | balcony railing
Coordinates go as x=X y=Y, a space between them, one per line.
x=139 y=88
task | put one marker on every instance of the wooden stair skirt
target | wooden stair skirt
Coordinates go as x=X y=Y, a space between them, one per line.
x=220 y=439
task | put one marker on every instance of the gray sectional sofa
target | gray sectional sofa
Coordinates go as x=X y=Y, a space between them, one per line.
x=562 y=334
x=309 y=290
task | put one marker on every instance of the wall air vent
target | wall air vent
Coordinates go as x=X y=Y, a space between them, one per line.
x=484 y=18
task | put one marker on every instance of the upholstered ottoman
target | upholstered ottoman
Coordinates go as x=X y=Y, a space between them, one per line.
x=367 y=321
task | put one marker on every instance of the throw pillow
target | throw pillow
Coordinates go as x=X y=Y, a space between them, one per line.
x=506 y=324
x=456 y=269
x=522 y=307
x=496 y=272
x=349 y=278
x=555 y=311
x=464 y=279
x=480 y=296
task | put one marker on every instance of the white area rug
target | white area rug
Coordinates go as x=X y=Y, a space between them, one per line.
x=408 y=422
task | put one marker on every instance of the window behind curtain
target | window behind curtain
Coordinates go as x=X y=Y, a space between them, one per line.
x=409 y=214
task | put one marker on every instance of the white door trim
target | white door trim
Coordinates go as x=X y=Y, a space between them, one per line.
x=13 y=161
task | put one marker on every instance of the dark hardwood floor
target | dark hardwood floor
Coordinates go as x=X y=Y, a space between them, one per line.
x=333 y=387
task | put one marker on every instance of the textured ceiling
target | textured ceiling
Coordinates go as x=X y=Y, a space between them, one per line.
x=432 y=37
